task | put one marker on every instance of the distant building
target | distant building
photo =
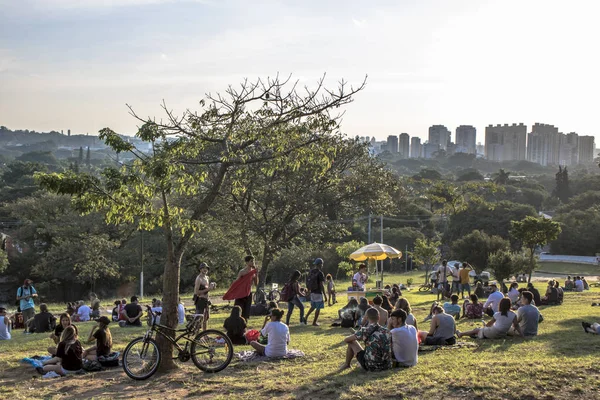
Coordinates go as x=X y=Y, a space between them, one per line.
x=568 y=153
x=69 y=132
x=506 y=142
x=429 y=149
x=439 y=135
x=404 y=145
x=466 y=138
x=392 y=144
x=416 y=150
x=586 y=147
x=480 y=149
x=543 y=144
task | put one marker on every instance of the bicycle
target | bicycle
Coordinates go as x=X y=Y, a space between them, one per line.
x=425 y=287
x=210 y=350
x=260 y=296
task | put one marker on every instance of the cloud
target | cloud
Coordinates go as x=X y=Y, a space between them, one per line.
x=359 y=22
x=8 y=61
x=164 y=57
x=85 y=4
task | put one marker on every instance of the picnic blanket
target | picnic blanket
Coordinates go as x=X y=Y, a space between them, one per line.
x=35 y=361
x=458 y=345
x=251 y=356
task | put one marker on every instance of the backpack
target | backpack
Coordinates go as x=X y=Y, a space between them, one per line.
x=287 y=293
x=312 y=280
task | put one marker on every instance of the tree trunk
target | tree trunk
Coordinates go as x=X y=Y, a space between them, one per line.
x=264 y=266
x=530 y=265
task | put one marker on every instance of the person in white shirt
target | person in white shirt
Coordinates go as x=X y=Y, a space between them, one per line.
x=278 y=336
x=361 y=277
x=181 y=312
x=405 y=344
x=156 y=308
x=513 y=292
x=578 y=284
x=83 y=312
x=4 y=325
x=499 y=325
x=491 y=305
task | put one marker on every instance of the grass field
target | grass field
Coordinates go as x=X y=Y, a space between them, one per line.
x=570 y=268
x=562 y=362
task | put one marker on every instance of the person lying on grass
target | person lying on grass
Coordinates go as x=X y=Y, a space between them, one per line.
x=278 y=336
x=591 y=328
x=376 y=355
x=499 y=325
x=101 y=334
x=63 y=322
x=441 y=330
x=405 y=344
x=68 y=359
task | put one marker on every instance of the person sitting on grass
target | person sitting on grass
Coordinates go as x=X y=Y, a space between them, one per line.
x=115 y=310
x=537 y=299
x=101 y=334
x=63 y=322
x=95 y=305
x=42 y=321
x=499 y=325
x=479 y=291
x=586 y=286
x=591 y=328
x=578 y=284
x=452 y=308
x=363 y=306
x=528 y=316
x=132 y=313
x=83 y=312
x=376 y=355
x=513 y=293
x=4 y=325
x=551 y=296
x=561 y=292
x=405 y=344
x=235 y=326
x=278 y=336
x=349 y=314
x=403 y=304
x=491 y=305
x=387 y=305
x=442 y=328
x=569 y=284
x=383 y=314
x=68 y=359
x=473 y=309
x=396 y=293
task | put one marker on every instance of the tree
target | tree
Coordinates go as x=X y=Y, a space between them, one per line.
x=344 y=250
x=3 y=261
x=80 y=158
x=501 y=177
x=476 y=247
x=470 y=175
x=503 y=266
x=426 y=252
x=533 y=232
x=196 y=155
x=88 y=157
x=562 y=190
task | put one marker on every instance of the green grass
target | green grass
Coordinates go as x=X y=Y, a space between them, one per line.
x=569 y=268
x=562 y=362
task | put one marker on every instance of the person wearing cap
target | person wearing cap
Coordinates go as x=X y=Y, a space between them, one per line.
x=4 y=325
x=101 y=334
x=201 y=289
x=25 y=295
x=491 y=305
x=315 y=282
x=132 y=313
x=360 y=277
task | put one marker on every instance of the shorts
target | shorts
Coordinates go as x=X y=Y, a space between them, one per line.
x=465 y=286
x=489 y=333
x=433 y=341
x=360 y=357
x=28 y=314
x=202 y=308
x=316 y=301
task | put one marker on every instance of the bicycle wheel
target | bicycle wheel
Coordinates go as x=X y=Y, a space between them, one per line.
x=275 y=295
x=424 y=288
x=211 y=351
x=141 y=358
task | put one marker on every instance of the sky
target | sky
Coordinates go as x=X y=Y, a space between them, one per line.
x=74 y=64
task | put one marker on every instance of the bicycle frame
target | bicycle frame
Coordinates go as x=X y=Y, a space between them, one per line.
x=158 y=328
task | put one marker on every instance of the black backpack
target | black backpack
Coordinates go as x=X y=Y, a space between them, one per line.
x=312 y=280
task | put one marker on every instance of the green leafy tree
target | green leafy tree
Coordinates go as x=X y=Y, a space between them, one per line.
x=501 y=177
x=344 y=250
x=426 y=252
x=470 y=175
x=533 y=232
x=88 y=157
x=476 y=247
x=502 y=265
x=80 y=158
x=199 y=154
x=562 y=190
x=3 y=261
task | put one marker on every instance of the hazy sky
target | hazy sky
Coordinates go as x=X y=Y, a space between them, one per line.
x=75 y=63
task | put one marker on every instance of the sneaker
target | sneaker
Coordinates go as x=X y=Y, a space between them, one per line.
x=316 y=324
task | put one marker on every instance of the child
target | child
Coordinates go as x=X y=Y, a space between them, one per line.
x=103 y=340
x=235 y=326
x=122 y=315
x=330 y=290
x=63 y=322
x=278 y=336
x=68 y=359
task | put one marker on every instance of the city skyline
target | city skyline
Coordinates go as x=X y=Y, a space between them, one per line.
x=67 y=64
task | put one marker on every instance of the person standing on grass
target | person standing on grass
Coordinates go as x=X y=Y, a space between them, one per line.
x=25 y=295
x=360 y=277
x=4 y=325
x=180 y=312
x=465 y=279
x=315 y=282
x=491 y=305
x=241 y=288
x=201 y=289
x=294 y=301
x=376 y=355
x=330 y=290
x=405 y=343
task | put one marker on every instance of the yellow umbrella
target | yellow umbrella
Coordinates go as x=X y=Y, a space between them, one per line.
x=375 y=251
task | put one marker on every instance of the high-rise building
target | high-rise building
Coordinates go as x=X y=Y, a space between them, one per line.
x=543 y=144
x=429 y=149
x=69 y=132
x=505 y=142
x=568 y=153
x=586 y=149
x=480 y=149
x=392 y=144
x=440 y=135
x=404 y=145
x=466 y=139
x=415 y=147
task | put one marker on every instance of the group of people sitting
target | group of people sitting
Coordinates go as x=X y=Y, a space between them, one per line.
x=577 y=284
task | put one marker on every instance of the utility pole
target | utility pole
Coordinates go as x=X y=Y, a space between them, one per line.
x=381 y=228
x=142 y=263
x=406 y=258
x=369 y=228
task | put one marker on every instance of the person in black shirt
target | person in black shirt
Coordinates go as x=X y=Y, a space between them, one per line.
x=133 y=313
x=235 y=326
x=536 y=294
x=68 y=354
x=315 y=282
x=63 y=322
x=101 y=334
x=42 y=321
